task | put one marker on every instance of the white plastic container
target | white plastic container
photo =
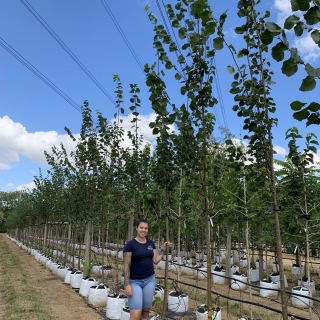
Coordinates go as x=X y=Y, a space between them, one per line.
x=275 y=267
x=200 y=272
x=75 y=279
x=178 y=302
x=305 y=285
x=243 y=262
x=254 y=274
x=125 y=313
x=234 y=269
x=202 y=313
x=85 y=286
x=264 y=265
x=265 y=287
x=218 y=276
x=236 y=284
x=106 y=270
x=161 y=265
x=187 y=269
x=301 y=302
x=97 y=296
x=275 y=277
x=68 y=276
x=114 y=306
x=61 y=273
x=297 y=269
x=159 y=292
x=172 y=266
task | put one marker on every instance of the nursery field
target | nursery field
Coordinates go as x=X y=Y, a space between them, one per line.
x=29 y=291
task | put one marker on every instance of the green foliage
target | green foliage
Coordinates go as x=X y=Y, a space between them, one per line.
x=88 y=267
x=311 y=18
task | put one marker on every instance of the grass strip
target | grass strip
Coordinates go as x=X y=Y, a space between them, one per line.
x=19 y=297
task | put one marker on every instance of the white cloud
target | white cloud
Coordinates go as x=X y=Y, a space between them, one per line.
x=283 y=8
x=15 y=140
x=10 y=185
x=27 y=186
x=144 y=129
x=231 y=33
x=308 y=50
x=280 y=150
x=316 y=159
x=7 y=156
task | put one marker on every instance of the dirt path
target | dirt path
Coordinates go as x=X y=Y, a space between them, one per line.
x=57 y=298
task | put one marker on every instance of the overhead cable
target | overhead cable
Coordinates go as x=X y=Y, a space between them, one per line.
x=115 y=22
x=40 y=75
x=66 y=49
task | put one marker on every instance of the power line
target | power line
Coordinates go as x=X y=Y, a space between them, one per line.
x=66 y=49
x=115 y=22
x=40 y=75
x=220 y=95
x=73 y=56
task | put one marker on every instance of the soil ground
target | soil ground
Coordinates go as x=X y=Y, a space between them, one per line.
x=62 y=302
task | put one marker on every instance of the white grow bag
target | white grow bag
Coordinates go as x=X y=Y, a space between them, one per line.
x=98 y=296
x=75 y=279
x=202 y=313
x=85 y=286
x=265 y=287
x=178 y=302
x=235 y=281
x=125 y=313
x=301 y=302
x=114 y=306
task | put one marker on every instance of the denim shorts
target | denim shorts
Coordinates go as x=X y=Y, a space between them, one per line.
x=142 y=293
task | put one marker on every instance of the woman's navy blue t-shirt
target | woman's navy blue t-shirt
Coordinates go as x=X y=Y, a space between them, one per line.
x=141 y=260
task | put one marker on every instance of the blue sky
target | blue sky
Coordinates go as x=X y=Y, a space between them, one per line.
x=33 y=116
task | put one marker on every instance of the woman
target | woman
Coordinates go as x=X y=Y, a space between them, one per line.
x=139 y=255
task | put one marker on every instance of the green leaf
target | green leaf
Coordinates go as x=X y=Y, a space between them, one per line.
x=210 y=28
x=183 y=90
x=312 y=71
x=298 y=29
x=245 y=52
x=308 y=84
x=313 y=119
x=169 y=65
x=291 y=21
x=181 y=59
x=313 y=15
x=230 y=69
x=177 y=76
x=240 y=30
x=273 y=27
x=315 y=35
x=297 y=105
x=289 y=67
x=240 y=54
x=314 y=107
x=304 y=5
x=278 y=51
x=267 y=37
x=301 y=115
x=218 y=43
x=294 y=5
x=182 y=33
x=295 y=56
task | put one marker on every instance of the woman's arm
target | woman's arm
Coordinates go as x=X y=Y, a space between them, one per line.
x=126 y=271
x=158 y=254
